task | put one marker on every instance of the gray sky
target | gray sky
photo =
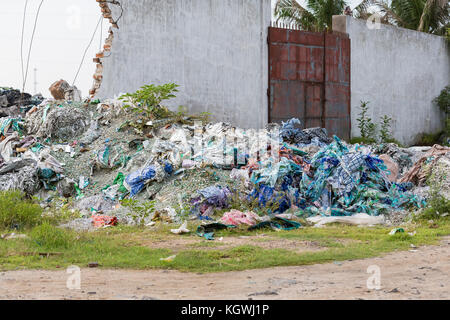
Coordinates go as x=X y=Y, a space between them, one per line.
x=63 y=32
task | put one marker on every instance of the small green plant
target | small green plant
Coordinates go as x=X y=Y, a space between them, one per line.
x=365 y=124
x=443 y=102
x=140 y=210
x=18 y=212
x=147 y=101
x=385 y=129
x=368 y=128
x=51 y=237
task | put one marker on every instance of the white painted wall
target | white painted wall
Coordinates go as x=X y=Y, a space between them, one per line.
x=215 y=49
x=400 y=72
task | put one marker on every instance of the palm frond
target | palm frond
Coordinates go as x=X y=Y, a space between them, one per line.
x=291 y=12
x=435 y=15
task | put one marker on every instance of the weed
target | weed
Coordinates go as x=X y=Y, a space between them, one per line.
x=385 y=130
x=18 y=212
x=443 y=100
x=51 y=237
x=365 y=124
x=147 y=101
x=368 y=129
x=140 y=211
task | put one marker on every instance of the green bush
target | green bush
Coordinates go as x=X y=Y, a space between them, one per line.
x=147 y=101
x=48 y=236
x=443 y=100
x=18 y=212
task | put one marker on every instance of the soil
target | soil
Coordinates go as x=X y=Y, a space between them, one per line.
x=421 y=273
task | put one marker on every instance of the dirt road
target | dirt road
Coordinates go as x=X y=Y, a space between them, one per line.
x=422 y=273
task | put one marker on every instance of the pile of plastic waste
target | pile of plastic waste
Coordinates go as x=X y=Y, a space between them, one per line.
x=91 y=152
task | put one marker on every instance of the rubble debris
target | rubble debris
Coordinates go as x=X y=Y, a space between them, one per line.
x=62 y=90
x=208 y=199
x=10 y=97
x=20 y=175
x=419 y=172
x=404 y=158
x=294 y=135
x=66 y=187
x=91 y=153
x=56 y=122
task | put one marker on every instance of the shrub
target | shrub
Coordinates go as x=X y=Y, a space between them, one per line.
x=18 y=212
x=443 y=100
x=147 y=101
x=140 y=211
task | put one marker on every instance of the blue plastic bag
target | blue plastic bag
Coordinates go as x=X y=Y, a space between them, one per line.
x=138 y=179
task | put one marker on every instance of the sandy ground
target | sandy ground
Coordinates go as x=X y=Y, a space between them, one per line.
x=422 y=273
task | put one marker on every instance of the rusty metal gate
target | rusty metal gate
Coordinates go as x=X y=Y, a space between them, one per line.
x=309 y=79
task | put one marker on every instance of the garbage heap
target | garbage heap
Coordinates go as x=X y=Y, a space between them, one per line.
x=95 y=153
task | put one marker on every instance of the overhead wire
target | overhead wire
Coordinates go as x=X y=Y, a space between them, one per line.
x=31 y=45
x=86 y=50
x=21 y=40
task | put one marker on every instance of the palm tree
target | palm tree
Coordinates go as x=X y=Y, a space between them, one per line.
x=316 y=16
x=431 y=16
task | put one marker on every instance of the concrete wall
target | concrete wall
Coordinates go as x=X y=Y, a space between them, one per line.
x=400 y=72
x=215 y=49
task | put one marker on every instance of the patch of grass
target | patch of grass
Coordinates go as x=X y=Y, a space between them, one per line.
x=18 y=212
x=122 y=247
x=51 y=237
